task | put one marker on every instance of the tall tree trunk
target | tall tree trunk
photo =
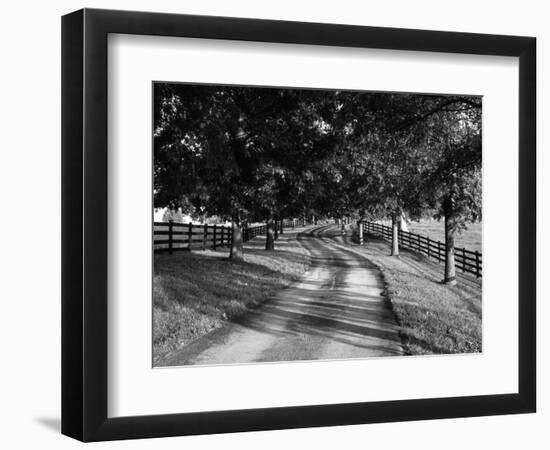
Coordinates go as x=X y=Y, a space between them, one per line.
x=236 y=249
x=395 y=234
x=275 y=229
x=450 y=228
x=282 y=226
x=342 y=226
x=269 y=235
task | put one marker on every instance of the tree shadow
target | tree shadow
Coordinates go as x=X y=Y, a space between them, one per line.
x=335 y=315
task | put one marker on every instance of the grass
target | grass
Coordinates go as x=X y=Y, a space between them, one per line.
x=469 y=239
x=434 y=318
x=197 y=292
x=434 y=229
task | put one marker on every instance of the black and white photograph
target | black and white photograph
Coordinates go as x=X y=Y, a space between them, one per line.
x=296 y=224
x=275 y=225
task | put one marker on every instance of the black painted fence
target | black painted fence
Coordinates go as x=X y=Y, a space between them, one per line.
x=466 y=260
x=172 y=236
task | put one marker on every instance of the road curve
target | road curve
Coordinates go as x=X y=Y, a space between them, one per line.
x=337 y=310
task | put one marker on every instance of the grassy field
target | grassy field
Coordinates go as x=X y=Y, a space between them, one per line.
x=434 y=229
x=469 y=238
x=434 y=318
x=195 y=293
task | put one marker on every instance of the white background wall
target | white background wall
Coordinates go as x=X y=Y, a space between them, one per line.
x=30 y=182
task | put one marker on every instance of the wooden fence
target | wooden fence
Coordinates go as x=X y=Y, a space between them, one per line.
x=465 y=260
x=172 y=236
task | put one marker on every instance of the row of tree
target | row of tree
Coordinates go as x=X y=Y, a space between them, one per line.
x=262 y=154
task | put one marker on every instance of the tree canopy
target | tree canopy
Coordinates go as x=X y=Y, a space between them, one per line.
x=257 y=154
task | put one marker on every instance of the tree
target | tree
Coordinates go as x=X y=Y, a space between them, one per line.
x=386 y=157
x=260 y=154
x=458 y=201
x=453 y=185
x=298 y=127
x=432 y=159
x=204 y=151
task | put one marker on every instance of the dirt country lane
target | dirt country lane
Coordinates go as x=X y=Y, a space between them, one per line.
x=335 y=311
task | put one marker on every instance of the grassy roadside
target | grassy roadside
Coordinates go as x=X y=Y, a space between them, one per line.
x=196 y=292
x=434 y=318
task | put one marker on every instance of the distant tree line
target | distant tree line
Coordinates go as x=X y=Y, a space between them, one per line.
x=251 y=154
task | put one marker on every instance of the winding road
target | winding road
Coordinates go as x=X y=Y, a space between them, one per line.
x=337 y=310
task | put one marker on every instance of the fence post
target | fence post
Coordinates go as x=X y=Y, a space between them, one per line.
x=189 y=234
x=464 y=260
x=170 y=234
x=477 y=265
x=204 y=236
x=428 y=242
x=214 y=237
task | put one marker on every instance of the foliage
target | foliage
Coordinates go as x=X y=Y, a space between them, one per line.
x=249 y=154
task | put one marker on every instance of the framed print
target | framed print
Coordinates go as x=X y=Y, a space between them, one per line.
x=273 y=224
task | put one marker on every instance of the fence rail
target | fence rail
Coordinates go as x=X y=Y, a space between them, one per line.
x=465 y=260
x=173 y=236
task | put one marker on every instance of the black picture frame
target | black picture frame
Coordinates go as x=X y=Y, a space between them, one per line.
x=84 y=224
